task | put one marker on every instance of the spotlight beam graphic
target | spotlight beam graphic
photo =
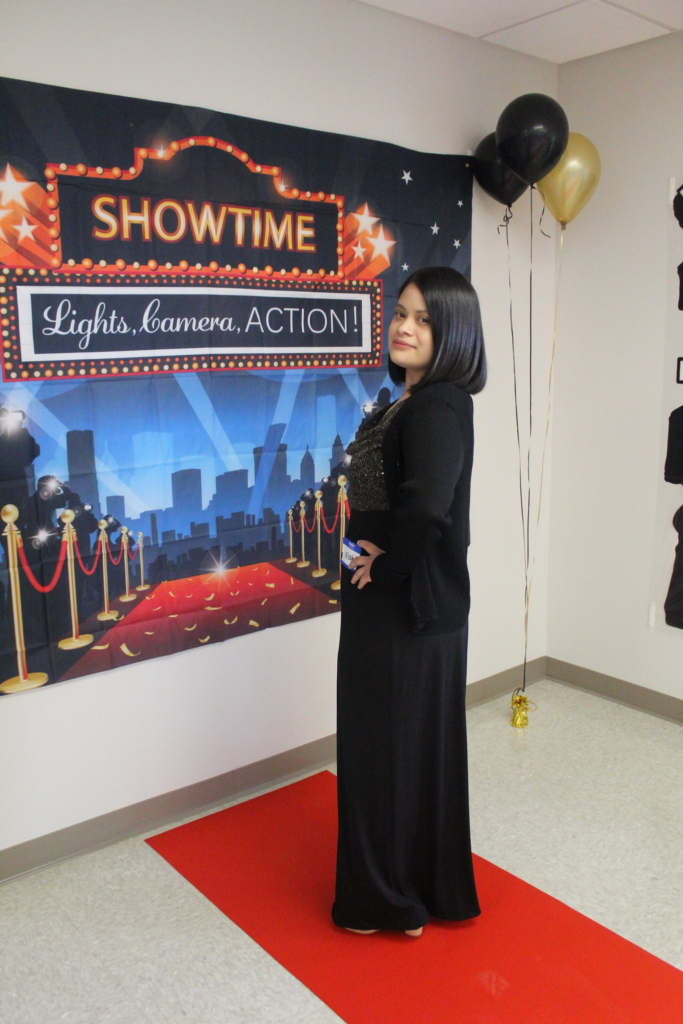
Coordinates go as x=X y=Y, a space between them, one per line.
x=289 y=389
x=200 y=403
x=355 y=385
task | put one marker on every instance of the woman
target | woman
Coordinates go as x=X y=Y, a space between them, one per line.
x=404 y=844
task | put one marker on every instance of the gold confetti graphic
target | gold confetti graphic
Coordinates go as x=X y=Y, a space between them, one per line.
x=212 y=608
x=234 y=593
x=291 y=580
x=188 y=629
x=149 y=632
x=206 y=638
x=173 y=616
x=252 y=623
x=270 y=584
x=171 y=594
x=297 y=605
x=126 y=650
x=100 y=647
x=209 y=597
x=264 y=601
x=157 y=609
x=332 y=600
x=231 y=623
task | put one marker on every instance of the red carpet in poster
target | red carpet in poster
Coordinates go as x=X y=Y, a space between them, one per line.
x=268 y=864
x=179 y=615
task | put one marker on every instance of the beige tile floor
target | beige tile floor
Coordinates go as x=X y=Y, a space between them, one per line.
x=587 y=804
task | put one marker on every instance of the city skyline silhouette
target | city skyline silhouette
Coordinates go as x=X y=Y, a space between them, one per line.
x=238 y=514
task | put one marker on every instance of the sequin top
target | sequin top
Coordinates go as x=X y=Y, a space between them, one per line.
x=367 y=488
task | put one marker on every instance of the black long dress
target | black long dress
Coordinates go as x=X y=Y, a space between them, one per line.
x=404 y=849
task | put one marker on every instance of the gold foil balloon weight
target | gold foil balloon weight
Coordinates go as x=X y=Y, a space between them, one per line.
x=520 y=705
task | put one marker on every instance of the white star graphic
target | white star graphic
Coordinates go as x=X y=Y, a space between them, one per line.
x=25 y=229
x=381 y=244
x=407 y=176
x=459 y=202
x=359 y=251
x=3 y=214
x=456 y=243
x=13 y=190
x=365 y=220
x=435 y=228
x=404 y=267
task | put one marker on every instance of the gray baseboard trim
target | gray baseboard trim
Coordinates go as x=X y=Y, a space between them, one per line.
x=167 y=809
x=484 y=690
x=662 y=705
x=153 y=814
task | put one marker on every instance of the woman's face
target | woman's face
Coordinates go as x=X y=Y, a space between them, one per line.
x=410 y=334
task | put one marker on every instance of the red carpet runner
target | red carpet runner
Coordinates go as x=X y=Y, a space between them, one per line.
x=268 y=864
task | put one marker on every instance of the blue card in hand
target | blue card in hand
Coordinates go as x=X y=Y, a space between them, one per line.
x=350 y=550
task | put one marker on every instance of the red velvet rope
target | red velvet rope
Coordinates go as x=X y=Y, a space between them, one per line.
x=88 y=572
x=348 y=508
x=329 y=529
x=295 y=527
x=114 y=561
x=135 y=552
x=310 y=528
x=58 y=571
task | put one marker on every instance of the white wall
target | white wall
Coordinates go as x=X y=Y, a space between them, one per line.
x=607 y=458
x=82 y=748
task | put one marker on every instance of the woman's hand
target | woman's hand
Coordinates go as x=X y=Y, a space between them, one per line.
x=363 y=563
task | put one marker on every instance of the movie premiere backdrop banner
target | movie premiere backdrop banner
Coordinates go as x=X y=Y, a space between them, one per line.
x=194 y=310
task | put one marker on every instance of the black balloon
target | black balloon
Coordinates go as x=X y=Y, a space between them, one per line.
x=532 y=134
x=493 y=175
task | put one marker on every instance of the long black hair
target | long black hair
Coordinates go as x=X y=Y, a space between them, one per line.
x=453 y=308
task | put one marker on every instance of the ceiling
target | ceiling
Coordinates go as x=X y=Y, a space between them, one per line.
x=551 y=29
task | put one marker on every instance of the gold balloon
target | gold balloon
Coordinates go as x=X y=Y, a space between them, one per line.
x=571 y=183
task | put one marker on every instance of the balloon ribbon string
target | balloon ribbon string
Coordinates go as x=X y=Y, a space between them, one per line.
x=507 y=217
x=527 y=550
x=540 y=219
x=530 y=576
x=516 y=393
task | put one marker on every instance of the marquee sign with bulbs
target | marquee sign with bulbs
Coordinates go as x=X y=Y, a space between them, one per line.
x=228 y=279
x=130 y=246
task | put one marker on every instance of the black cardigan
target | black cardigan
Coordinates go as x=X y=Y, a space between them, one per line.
x=427 y=456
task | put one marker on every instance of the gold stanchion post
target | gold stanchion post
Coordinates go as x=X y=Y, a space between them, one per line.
x=25 y=680
x=292 y=556
x=302 y=512
x=318 y=503
x=341 y=498
x=124 y=543
x=77 y=639
x=107 y=614
x=141 y=549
